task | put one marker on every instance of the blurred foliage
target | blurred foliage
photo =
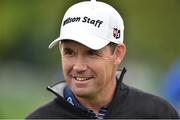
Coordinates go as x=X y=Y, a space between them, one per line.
x=152 y=36
x=27 y=27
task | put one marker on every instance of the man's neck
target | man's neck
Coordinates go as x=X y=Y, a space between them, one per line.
x=95 y=103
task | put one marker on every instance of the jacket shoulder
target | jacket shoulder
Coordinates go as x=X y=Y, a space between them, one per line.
x=150 y=104
x=44 y=111
x=57 y=109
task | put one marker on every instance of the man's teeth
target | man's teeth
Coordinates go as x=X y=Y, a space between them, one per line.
x=81 y=78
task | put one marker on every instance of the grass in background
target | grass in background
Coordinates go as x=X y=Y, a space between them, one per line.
x=22 y=90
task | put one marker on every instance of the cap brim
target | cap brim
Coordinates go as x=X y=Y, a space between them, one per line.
x=53 y=43
x=90 y=41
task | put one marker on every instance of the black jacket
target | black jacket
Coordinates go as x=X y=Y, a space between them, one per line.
x=128 y=102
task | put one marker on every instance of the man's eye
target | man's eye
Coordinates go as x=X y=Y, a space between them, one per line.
x=68 y=52
x=92 y=53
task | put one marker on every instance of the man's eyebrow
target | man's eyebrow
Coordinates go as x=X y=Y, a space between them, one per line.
x=67 y=49
x=91 y=50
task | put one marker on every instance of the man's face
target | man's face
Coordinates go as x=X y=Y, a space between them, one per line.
x=88 y=72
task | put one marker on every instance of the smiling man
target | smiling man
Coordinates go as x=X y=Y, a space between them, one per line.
x=91 y=74
x=91 y=52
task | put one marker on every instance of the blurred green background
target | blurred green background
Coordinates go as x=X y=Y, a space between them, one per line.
x=27 y=66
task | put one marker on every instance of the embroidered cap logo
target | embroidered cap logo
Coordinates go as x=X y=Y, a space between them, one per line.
x=116 y=33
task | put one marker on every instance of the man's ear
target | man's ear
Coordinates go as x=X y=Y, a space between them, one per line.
x=60 y=47
x=119 y=53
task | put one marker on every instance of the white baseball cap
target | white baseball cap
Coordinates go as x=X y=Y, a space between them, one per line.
x=93 y=24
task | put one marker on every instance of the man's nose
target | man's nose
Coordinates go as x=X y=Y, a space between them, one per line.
x=80 y=65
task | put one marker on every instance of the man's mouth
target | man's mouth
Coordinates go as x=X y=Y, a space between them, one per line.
x=81 y=78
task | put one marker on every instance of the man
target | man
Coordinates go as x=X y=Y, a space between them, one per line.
x=91 y=46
